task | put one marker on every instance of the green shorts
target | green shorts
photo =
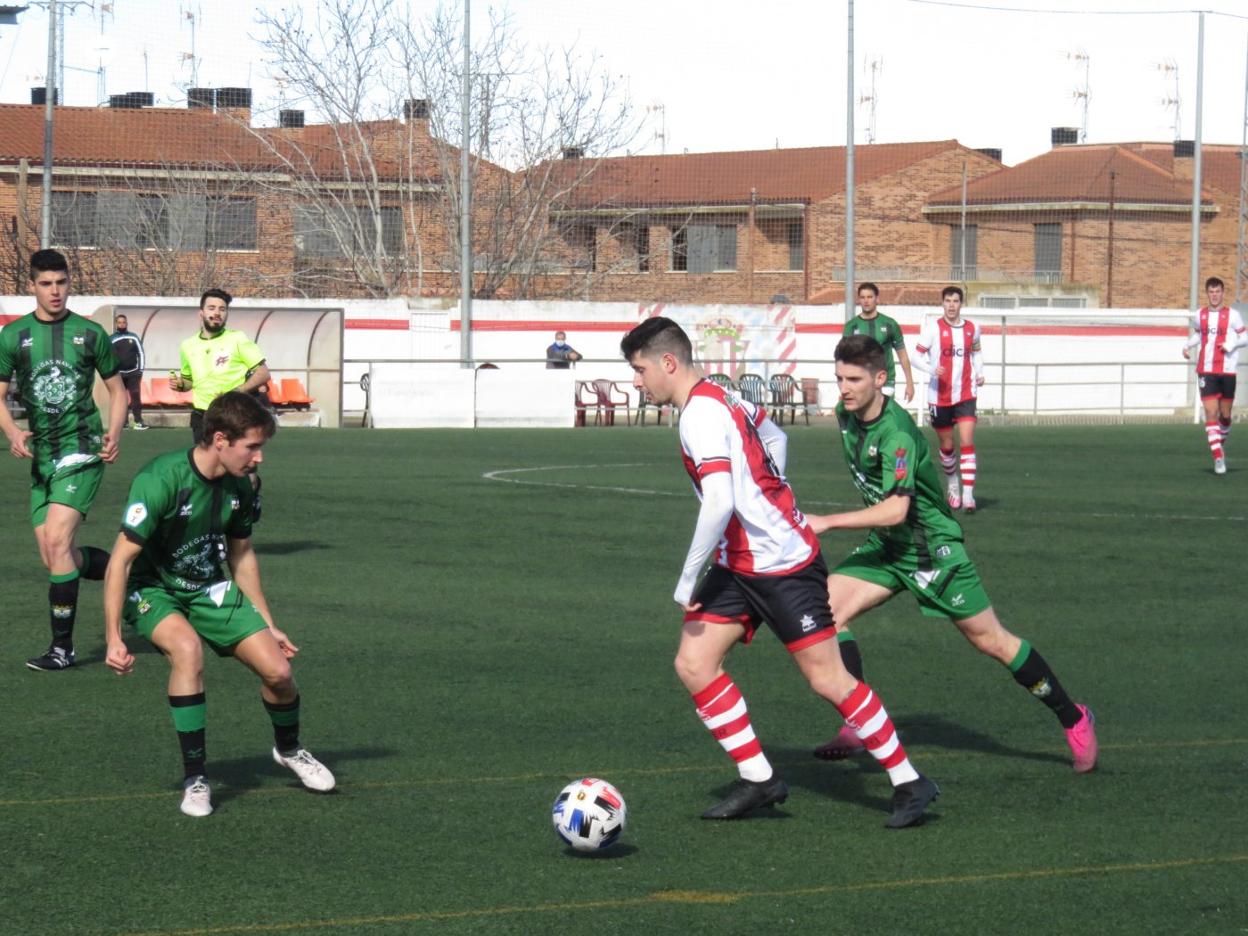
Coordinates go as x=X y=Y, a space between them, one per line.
x=74 y=486
x=952 y=591
x=221 y=614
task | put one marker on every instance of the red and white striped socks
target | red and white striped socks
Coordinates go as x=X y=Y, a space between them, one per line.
x=1224 y=428
x=949 y=465
x=865 y=715
x=1213 y=432
x=722 y=709
x=968 y=470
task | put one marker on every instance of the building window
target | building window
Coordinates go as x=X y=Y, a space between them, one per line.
x=680 y=250
x=151 y=222
x=641 y=244
x=1049 y=253
x=343 y=232
x=964 y=266
x=582 y=238
x=230 y=224
x=705 y=248
x=795 y=232
x=73 y=219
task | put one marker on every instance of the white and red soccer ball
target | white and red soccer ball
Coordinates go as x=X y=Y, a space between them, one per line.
x=589 y=814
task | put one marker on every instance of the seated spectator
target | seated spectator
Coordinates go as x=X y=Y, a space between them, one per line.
x=561 y=355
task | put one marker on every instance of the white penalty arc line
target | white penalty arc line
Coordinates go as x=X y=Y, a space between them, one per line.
x=500 y=475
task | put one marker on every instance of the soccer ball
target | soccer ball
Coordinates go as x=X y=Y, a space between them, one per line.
x=589 y=814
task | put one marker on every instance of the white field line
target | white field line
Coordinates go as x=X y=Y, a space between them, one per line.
x=501 y=474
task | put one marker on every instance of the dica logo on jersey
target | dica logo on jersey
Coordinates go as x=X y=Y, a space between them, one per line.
x=952 y=352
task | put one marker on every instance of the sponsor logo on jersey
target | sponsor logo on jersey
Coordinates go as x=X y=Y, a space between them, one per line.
x=28 y=342
x=943 y=552
x=953 y=352
x=52 y=386
x=808 y=623
x=80 y=339
x=185 y=510
x=136 y=513
x=958 y=600
x=70 y=488
x=873 y=451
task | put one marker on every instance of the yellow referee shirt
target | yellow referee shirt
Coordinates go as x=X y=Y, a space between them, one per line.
x=217 y=365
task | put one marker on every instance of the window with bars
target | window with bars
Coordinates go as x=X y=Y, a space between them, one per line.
x=343 y=231
x=796 y=235
x=705 y=248
x=176 y=222
x=1048 y=253
x=964 y=265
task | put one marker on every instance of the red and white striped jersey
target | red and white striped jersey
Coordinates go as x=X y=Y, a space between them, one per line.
x=950 y=347
x=767 y=534
x=1210 y=329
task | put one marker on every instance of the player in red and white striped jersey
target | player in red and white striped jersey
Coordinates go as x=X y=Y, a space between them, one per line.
x=767 y=568
x=949 y=353
x=1219 y=333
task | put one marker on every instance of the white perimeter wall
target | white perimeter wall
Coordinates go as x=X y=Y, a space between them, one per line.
x=1028 y=363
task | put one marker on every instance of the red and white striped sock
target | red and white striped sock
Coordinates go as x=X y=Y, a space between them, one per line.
x=722 y=709
x=949 y=465
x=865 y=715
x=1214 y=435
x=1224 y=427
x=968 y=469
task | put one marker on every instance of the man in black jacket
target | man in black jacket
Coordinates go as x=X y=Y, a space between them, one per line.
x=129 y=351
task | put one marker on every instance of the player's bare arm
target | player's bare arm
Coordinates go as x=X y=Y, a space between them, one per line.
x=17 y=437
x=118 y=403
x=904 y=360
x=889 y=512
x=245 y=570
x=259 y=377
x=118 y=656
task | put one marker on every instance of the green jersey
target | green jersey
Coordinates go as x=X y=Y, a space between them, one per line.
x=884 y=330
x=890 y=456
x=182 y=520
x=218 y=364
x=53 y=365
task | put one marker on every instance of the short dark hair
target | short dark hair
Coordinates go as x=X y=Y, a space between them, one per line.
x=1214 y=281
x=47 y=261
x=657 y=336
x=861 y=351
x=234 y=414
x=952 y=291
x=215 y=294
x=870 y=287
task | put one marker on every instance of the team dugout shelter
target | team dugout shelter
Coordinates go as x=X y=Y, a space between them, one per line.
x=301 y=343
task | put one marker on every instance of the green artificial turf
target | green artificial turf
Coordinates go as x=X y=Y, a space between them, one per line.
x=485 y=616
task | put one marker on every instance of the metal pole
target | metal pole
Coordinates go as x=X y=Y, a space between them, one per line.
x=1109 y=259
x=1241 y=261
x=45 y=236
x=1194 y=278
x=465 y=201
x=962 y=234
x=849 y=169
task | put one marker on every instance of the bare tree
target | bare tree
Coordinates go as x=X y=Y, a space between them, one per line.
x=360 y=65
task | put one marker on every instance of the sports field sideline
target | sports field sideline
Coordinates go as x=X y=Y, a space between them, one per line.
x=486 y=615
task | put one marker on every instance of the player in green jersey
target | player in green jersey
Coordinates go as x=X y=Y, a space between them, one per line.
x=188 y=512
x=885 y=330
x=215 y=360
x=916 y=544
x=53 y=355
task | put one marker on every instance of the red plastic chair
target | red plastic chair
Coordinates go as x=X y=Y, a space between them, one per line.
x=164 y=395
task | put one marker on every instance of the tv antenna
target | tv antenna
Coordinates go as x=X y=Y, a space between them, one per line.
x=875 y=66
x=660 y=134
x=1083 y=91
x=1169 y=67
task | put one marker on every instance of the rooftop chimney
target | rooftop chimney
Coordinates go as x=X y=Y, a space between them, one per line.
x=1184 y=149
x=574 y=152
x=201 y=97
x=991 y=152
x=40 y=96
x=1064 y=136
x=416 y=109
x=234 y=97
x=290 y=119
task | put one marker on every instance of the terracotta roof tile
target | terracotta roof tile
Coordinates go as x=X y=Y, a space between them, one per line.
x=779 y=175
x=1075 y=174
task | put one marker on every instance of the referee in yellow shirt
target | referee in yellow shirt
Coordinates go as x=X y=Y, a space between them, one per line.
x=216 y=360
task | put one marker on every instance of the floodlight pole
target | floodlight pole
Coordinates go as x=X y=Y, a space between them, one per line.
x=45 y=236
x=1194 y=278
x=465 y=201
x=849 y=167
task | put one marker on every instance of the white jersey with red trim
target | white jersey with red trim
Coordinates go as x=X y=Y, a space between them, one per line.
x=950 y=347
x=1211 y=329
x=767 y=534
